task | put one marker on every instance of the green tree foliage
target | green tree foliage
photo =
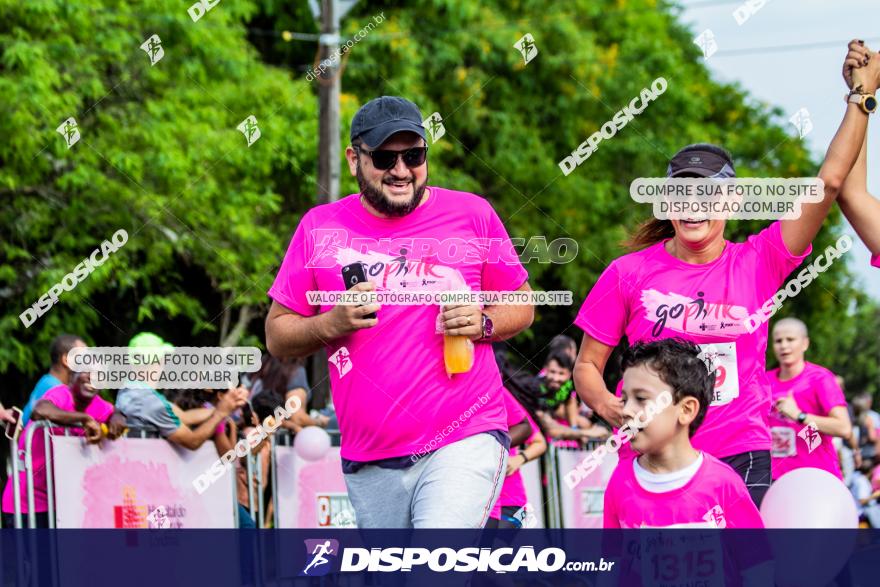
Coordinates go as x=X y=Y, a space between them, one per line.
x=209 y=218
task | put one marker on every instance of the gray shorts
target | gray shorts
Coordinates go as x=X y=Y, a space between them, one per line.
x=452 y=487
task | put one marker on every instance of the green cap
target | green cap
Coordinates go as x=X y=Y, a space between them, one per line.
x=149 y=340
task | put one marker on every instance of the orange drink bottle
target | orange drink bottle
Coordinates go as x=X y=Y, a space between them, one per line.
x=458 y=354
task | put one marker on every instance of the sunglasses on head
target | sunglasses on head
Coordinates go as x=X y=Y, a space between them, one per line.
x=386 y=159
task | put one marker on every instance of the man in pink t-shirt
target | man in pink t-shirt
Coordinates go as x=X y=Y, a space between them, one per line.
x=808 y=406
x=78 y=407
x=435 y=444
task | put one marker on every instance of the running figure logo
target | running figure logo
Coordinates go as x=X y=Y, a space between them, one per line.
x=70 y=131
x=706 y=42
x=319 y=550
x=249 y=129
x=434 y=125
x=342 y=360
x=153 y=48
x=810 y=434
x=526 y=46
x=802 y=122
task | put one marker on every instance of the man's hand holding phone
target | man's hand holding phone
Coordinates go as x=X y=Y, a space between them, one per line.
x=347 y=319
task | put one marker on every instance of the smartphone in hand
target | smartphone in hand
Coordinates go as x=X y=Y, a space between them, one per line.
x=12 y=426
x=352 y=275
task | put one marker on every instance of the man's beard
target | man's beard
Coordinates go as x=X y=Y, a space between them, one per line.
x=382 y=204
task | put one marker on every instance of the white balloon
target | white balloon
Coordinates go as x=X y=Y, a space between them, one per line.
x=809 y=498
x=312 y=443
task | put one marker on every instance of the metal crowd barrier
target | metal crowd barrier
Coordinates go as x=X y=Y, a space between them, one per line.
x=555 y=485
x=22 y=461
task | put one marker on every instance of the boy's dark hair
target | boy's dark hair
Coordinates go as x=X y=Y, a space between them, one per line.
x=561 y=358
x=678 y=364
x=60 y=346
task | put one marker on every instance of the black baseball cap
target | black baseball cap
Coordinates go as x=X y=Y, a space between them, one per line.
x=381 y=117
x=703 y=160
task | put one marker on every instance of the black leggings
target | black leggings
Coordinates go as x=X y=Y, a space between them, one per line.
x=754 y=468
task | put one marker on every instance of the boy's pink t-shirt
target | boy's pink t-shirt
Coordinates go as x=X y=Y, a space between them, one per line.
x=875 y=260
x=650 y=294
x=62 y=397
x=715 y=497
x=389 y=383
x=513 y=492
x=796 y=445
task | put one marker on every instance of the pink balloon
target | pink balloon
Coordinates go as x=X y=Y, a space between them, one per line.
x=312 y=443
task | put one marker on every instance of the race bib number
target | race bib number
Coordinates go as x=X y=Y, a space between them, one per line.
x=684 y=558
x=782 y=441
x=723 y=359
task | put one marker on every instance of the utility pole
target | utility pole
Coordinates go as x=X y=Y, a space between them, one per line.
x=330 y=12
x=328 y=98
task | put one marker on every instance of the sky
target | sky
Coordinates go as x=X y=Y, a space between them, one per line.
x=807 y=75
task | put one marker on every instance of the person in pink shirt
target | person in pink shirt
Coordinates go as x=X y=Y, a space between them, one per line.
x=671 y=483
x=857 y=204
x=667 y=387
x=526 y=444
x=436 y=444
x=685 y=279
x=808 y=406
x=78 y=407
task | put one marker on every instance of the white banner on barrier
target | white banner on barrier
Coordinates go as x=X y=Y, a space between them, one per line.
x=311 y=494
x=126 y=483
x=582 y=507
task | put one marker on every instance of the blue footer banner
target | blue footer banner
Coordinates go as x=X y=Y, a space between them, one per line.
x=669 y=557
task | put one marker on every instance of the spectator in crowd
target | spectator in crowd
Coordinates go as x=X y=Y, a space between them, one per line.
x=558 y=415
x=561 y=344
x=147 y=408
x=866 y=491
x=6 y=415
x=848 y=448
x=286 y=378
x=867 y=428
x=77 y=406
x=59 y=373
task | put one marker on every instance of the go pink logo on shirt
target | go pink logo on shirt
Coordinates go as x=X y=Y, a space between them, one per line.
x=692 y=315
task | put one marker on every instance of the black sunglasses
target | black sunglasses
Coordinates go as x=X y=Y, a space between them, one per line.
x=385 y=159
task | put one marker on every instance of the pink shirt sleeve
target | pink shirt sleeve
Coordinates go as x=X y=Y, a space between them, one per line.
x=61 y=396
x=100 y=409
x=515 y=412
x=610 y=518
x=505 y=273
x=603 y=314
x=875 y=260
x=740 y=510
x=294 y=279
x=830 y=394
x=777 y=262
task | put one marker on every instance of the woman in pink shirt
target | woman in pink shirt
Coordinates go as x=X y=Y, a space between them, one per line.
x=858 y=205
x=808 y=406
x=686 y=280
